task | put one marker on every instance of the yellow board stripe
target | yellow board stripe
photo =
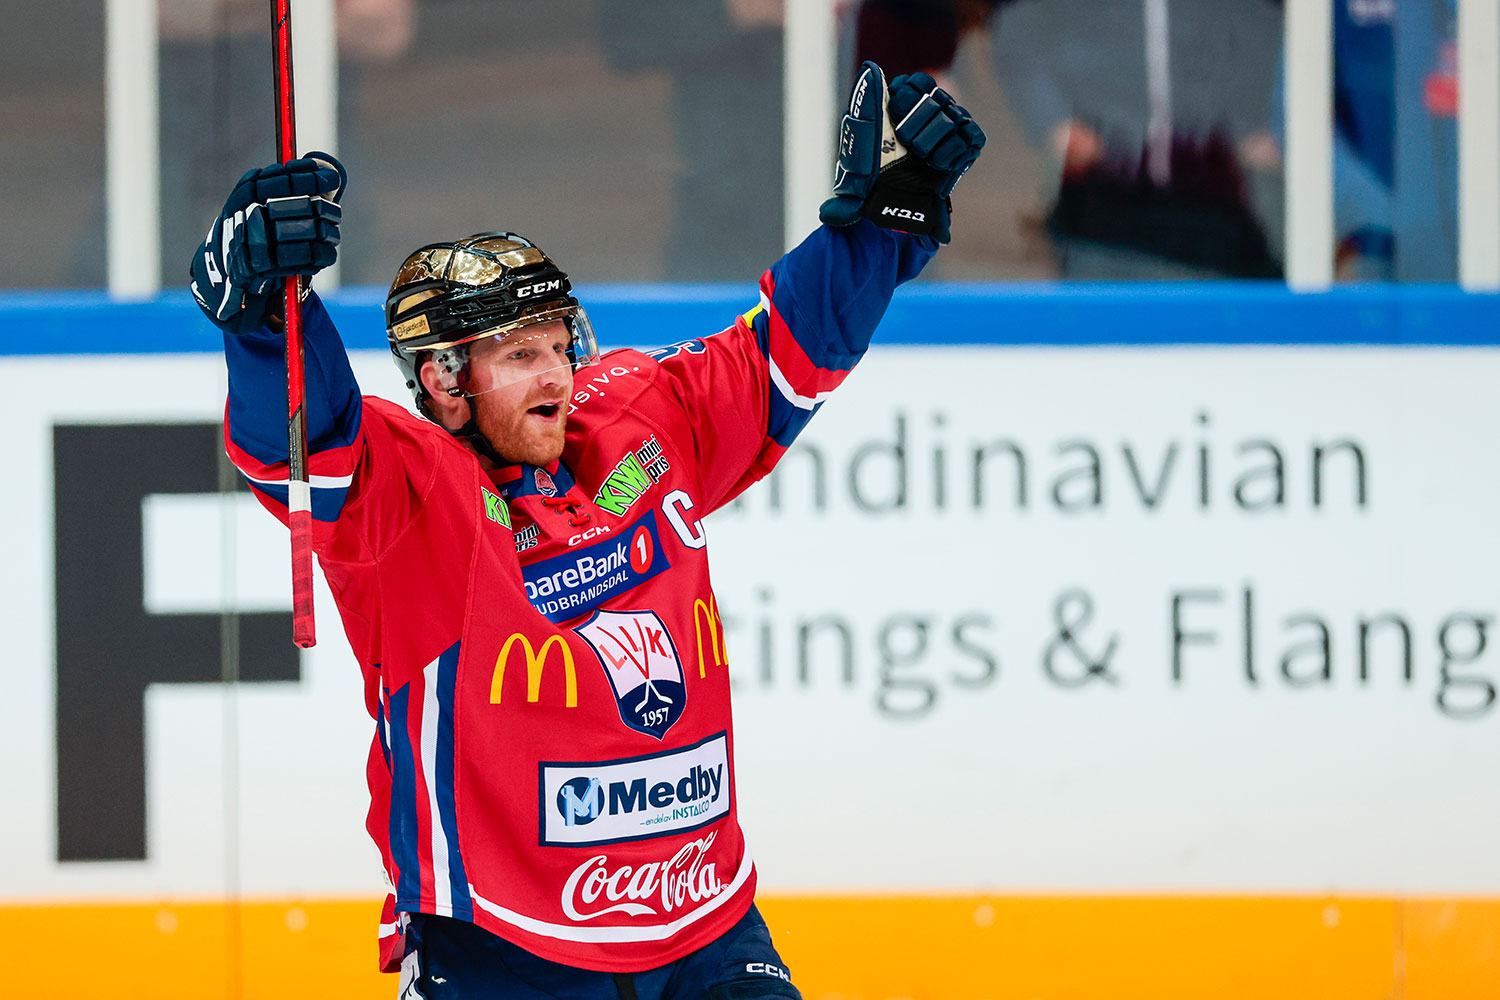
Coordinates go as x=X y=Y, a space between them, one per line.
x=918 y=947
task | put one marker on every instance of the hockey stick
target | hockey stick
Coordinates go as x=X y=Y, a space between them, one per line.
x=299 y=493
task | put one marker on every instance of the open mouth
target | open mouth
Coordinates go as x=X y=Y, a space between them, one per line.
x=546 y=410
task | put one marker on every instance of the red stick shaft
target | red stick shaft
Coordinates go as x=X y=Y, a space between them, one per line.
x=299 y=494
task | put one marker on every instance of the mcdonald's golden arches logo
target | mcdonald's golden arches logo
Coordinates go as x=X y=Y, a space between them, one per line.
x=536 y=665
x=710 y=612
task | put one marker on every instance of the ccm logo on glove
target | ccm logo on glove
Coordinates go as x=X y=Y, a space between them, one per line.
x=902 y=149
x=904 y=213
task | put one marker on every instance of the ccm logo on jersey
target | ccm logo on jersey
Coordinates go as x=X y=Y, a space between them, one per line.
x=597 y=531
x=540 y=288
x=903 y=213
x=767 y=969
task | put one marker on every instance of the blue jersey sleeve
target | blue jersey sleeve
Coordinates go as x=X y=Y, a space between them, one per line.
x=820 y=305
x=255 y=422
x=750 y=390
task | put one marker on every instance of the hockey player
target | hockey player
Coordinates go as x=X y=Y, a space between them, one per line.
x=523 y=574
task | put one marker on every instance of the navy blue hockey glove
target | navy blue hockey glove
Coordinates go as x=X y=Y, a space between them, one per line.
x=902 y=150
x=279 y=221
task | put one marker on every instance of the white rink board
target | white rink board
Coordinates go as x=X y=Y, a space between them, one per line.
x=949 y=758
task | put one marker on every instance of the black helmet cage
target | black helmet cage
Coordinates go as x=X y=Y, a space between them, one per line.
x=459 y=291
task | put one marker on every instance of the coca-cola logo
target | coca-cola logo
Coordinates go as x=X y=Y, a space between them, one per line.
x=656 y=887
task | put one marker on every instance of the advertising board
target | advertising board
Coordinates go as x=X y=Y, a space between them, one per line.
x=1149 y=621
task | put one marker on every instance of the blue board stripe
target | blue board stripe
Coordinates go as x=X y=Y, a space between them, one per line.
x=36 y=323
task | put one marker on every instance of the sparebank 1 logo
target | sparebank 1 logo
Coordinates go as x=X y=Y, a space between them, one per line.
x=580 y=801
x=641 y=661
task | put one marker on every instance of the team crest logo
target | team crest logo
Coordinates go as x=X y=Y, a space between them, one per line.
x=641 y=660
x=544 y=484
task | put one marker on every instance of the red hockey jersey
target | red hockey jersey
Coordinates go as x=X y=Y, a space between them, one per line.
x=542 y=649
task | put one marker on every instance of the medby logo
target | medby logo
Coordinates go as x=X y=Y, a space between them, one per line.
x=577 y=582
x=653 y=796
x=536 y=665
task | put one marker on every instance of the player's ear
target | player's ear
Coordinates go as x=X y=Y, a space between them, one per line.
x=452 y=412
x=435 y=380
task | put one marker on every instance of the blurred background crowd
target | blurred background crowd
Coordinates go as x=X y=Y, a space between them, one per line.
x=1129 y=139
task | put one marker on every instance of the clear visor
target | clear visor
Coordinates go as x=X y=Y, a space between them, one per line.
x=543 y=346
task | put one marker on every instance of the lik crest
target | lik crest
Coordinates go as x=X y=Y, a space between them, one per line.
x=641 y=660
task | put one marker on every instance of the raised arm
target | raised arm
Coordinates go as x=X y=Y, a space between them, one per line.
x=279 y=221
x=751 y=389
x=255 y=416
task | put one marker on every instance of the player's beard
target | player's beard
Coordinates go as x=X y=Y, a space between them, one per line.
x=518 y=434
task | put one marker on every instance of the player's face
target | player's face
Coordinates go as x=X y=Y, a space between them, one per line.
x=521 y=385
